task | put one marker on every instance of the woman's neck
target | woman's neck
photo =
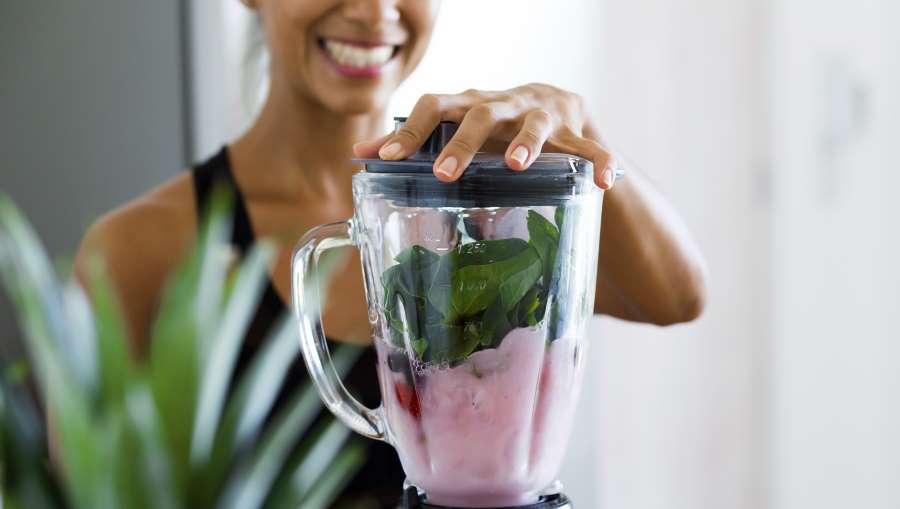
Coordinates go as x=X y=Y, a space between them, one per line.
x=298 y=148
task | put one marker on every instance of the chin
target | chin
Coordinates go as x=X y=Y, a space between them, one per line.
x=354 y=78
x=357 y=102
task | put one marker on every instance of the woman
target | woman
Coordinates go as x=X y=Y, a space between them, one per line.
x=334 y=64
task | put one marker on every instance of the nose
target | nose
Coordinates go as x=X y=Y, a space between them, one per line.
x=371 y=12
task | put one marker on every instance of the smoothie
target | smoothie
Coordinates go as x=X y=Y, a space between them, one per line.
x=489 y=431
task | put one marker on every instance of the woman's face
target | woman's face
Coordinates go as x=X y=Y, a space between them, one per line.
x=347 y=55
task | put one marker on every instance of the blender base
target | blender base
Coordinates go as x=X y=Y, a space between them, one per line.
x=412 y=500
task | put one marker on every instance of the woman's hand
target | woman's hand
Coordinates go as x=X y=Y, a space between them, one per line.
x=530 y=118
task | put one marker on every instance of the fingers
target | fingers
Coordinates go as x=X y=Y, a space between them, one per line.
x=503 y=115
x=476 y=127
x=426 y=115
x=526 y=146
x=369 y=149
x=604 y=175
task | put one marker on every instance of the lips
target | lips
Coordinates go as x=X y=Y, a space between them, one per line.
x=357 y=58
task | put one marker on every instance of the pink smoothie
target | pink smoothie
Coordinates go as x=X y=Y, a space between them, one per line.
x=491 y=431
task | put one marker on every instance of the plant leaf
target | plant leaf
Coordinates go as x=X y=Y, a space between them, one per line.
x=417 y=255
x=494 y=325
x=451 y=343
x=174 y=364
x=25 y=476
x=440 y=287
x=216 y=255
x=82 y=347
x=312 y=458
x=475 y=287
x=223 y=354
x=114 y=362
x=341 y=471
x=420 y=345
x=559 y=217
x=517 y=276
x=247 y=408
x=143 y=466
x=483 y=252
x=252 y=480
x=30 y=281
x=544 y=236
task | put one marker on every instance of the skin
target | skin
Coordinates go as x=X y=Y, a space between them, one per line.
x=293 y=168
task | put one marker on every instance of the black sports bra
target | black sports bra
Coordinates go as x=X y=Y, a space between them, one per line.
x=379 y=482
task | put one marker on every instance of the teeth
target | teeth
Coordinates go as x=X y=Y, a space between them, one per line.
x=358 y=56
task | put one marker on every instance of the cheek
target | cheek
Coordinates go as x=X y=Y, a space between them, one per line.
x=420 y=17
x=288 y=25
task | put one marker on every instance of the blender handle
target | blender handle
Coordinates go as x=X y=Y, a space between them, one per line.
x=305 y=300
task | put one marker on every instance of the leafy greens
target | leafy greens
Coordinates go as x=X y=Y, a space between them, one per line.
x=468 y=299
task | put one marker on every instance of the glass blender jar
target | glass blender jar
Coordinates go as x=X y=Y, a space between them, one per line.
x=478 y=293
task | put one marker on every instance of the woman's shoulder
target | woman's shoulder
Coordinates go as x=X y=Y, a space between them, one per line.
x=154 y=224
x=139 y=243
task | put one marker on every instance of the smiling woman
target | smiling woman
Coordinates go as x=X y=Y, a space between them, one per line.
x=348 y=56
x=334 y=65
x=352 y=58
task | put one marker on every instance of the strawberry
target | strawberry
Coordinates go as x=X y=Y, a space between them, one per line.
x=408 y=399
x=544 y=383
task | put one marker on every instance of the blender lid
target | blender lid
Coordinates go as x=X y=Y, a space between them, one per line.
x=422 y=161
x=552 y=179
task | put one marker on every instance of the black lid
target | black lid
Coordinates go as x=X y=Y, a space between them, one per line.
x=487 y=182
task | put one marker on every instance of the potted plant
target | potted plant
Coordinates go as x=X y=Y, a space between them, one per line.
x=165 y=432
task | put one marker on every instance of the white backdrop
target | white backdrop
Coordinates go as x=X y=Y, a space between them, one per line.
x=836 y=117
x=681 y=408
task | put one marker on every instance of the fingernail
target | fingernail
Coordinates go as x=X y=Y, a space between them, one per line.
x=607 y=178
x=520 y=155
x=390 y=151
x=447 y=167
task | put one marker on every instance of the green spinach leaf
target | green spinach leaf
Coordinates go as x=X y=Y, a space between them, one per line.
x=417 y=255
x=517 y=276
x=559 y=217
x=483 y=252
x=420 y=346
x=449 y=306
x=527 y=310
x=495 y=325
x=545 y=239
x=451 y=343
x=473 y=289
x=439 y=287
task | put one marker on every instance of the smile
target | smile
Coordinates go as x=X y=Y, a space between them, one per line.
x=356 y=58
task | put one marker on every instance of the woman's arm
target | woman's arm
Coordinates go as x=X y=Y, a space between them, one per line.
x=650 y=269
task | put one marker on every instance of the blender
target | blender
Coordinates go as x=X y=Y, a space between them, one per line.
x=478 y=292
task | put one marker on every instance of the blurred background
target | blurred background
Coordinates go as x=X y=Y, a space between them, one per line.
x=772 y=125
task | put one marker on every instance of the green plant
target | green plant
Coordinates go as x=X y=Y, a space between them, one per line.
x=164 y=432
x=468 y=299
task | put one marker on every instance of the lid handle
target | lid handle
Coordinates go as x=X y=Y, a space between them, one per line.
x=435 y=142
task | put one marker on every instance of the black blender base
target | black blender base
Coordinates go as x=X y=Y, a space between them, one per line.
x=412 y=500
